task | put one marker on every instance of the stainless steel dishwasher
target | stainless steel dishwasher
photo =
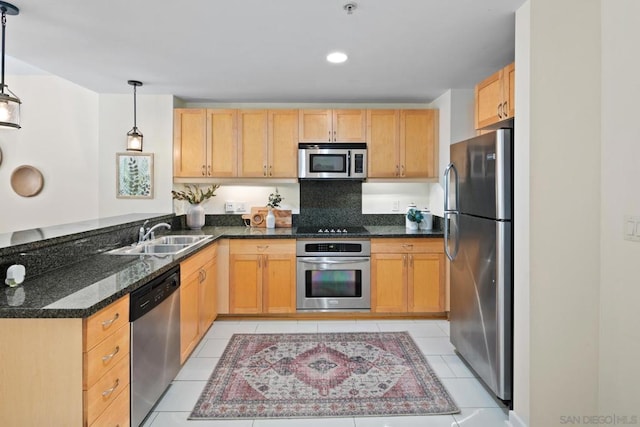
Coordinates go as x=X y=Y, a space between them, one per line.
x=155 y=341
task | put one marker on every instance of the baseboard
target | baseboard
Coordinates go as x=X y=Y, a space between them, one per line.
x=515 y=420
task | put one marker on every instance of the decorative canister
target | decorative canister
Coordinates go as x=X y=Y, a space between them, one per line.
x=427 y=220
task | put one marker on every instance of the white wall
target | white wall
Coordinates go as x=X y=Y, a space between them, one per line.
x=620 y=287
x=521 y=223
x=155 y=121
x=455 y=109
x=563 y=138
x=59 y=137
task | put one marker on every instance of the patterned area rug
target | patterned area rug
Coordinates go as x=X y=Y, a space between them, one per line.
x=322 y=375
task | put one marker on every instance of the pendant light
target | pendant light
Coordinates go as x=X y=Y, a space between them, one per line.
x=9 y=102
x=134 y=137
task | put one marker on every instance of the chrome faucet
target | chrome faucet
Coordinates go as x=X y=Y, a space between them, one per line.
x=149 y=233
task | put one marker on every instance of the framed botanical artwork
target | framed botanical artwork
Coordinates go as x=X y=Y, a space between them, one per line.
x=134 y=178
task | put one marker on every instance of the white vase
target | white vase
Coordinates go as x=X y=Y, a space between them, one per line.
x=271 y=219
x=412 y=225
x=195 y=217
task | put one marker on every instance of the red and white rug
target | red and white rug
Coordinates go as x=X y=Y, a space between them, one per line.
x=322 y=375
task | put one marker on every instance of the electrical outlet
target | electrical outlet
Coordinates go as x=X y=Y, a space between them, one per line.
x=396 y=206
x=229 y=207
x=241 y=207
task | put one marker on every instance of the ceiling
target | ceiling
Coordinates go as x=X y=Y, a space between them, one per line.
x=266 y=51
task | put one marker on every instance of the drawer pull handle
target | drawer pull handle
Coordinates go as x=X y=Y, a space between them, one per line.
x=108 y=323
x=111 y=390
x=407 y=246
x=110 y=356
x=262 y=247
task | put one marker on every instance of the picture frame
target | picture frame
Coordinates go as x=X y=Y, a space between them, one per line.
x=134 y=175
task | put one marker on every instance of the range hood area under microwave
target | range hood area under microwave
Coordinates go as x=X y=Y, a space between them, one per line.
x=333 y=160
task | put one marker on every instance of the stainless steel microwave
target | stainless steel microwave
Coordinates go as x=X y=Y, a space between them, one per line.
x=332 y=160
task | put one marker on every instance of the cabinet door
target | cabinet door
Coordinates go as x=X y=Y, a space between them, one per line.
x=252 y=143
x=279 y=283
x=245 y=278
x=426 y=283
x=189 y=142
x=222 y=131
x=508 y=88
x=283 y=144
x=388 y=283
x=419 y=143
x=488 y=100
x=315 y=125
x=383 y=131
x=207 y=298
x=349 y=125
x=189 y=317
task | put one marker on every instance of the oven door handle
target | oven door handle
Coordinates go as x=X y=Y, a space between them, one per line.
x=333 y=261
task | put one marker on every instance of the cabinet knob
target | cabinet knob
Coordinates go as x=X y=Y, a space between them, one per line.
x=204 y=170
x=264 y=170
x=209 y=170
x=505 y=110
x=500 y=111
x=402 y=170
x=270 y=170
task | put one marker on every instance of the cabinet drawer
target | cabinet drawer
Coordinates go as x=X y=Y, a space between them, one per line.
x=259 y=246
x=116 y=414
x=390 y=246
x=98 y=397
x=105 y=322
x=197 y=260
x=105 y=355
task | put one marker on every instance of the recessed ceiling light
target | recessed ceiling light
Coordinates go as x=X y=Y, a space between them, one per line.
x=337 y=57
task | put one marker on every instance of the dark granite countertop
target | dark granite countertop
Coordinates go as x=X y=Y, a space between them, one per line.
x=82 y=288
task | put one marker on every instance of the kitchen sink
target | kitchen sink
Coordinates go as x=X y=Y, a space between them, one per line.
x=178 y=240
x=164 y=245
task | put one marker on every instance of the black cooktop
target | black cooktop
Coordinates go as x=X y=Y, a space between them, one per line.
x=332 y=231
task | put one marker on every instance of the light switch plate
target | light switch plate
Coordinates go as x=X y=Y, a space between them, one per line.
x=631 y=228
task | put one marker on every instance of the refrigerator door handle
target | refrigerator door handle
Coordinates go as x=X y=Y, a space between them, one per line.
x=447 y=174
x=447 y=236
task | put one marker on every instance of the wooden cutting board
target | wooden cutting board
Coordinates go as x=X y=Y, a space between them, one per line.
x=258 y=217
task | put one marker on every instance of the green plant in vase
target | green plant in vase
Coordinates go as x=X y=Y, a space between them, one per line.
x=195 y=196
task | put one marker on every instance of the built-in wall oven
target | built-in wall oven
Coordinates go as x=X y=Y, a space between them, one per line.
x=333 y=274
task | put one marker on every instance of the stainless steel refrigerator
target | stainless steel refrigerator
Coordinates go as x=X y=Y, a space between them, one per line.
x=479 y=243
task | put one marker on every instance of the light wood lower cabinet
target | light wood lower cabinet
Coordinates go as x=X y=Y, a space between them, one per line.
x=66 y=372
x=407 y=275
x=198 y=307
x=262 y=276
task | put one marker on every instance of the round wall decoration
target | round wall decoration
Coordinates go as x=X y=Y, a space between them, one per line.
x=27 y=181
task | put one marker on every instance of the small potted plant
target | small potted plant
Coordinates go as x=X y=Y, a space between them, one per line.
x=274 y=202
x=195 y=196
x=415 y=218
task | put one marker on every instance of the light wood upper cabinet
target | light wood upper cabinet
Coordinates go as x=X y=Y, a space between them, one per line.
x=189 y=142
x=494 y=98
x=332 y=125
x=402 y=143
x=262 y=276
x=204 y=143
x=268 y=143
x=407 y=275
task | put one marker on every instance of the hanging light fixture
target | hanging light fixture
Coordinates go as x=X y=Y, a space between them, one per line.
x=9 y=102
x=134 y=137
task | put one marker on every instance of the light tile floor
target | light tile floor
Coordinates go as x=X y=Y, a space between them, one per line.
x=478 y=407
